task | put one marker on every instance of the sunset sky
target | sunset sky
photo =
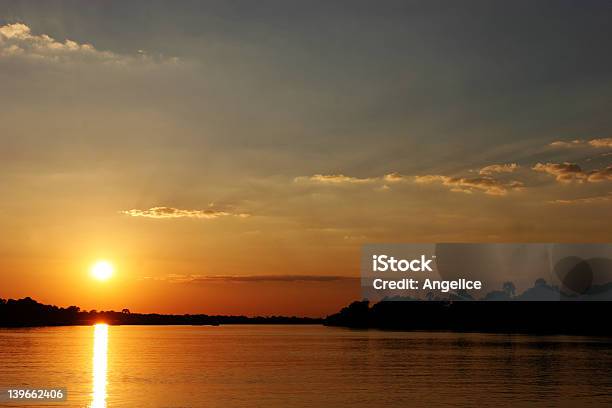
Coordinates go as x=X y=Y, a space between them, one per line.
x=233 y=156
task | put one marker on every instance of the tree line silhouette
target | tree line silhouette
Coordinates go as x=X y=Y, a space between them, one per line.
x=543 y=317
x=27 y=312
x=542 y=308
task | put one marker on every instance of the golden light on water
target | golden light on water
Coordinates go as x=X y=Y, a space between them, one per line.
x=102 y=270
x=100 y=361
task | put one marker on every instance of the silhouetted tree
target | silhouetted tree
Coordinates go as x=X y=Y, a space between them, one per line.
x=540 y=282
x=509 y=289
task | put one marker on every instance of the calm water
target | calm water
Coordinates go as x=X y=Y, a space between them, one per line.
x=304 y=366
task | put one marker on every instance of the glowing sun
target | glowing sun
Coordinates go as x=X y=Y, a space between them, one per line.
x=102 y=270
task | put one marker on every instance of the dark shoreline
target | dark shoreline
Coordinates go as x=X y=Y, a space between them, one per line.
x=27 y=312
x=520 y=317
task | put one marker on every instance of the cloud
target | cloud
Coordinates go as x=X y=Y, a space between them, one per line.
x=17 y=40
x=585 y=200
x=563 y=172
x=395 y=177
x=604 y=174
x=342 y=179
x=570 y=144
x=603 y=143
x=597 y=143
x=334 y=179
x=257 y=278
x=499 y=168
x=568 y=172
x=170 y=212
x=488 y=185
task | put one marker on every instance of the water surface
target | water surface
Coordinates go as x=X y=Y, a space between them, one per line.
x=304 y=366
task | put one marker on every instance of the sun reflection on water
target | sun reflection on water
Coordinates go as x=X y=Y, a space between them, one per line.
x=99 y=366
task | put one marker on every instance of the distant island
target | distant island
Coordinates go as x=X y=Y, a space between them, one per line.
x=27 y=312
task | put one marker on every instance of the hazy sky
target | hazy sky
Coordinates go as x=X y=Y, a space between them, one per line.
x=232 y=157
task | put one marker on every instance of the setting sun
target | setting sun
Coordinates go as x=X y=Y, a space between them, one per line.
x=102 y=270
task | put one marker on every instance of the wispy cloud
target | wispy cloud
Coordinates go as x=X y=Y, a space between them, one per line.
x=171 y=212
x=395 y=177
x=17 y=40
x=568 y=144
x=584 y=200
x=256 y=278
x=334 y=179
x=596 y=143
x=488 y=182
x=488 y=185
x=499 y=168
x=568 y=172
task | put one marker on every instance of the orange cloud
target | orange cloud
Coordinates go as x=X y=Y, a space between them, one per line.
x=170 y=212
x=176 y=278
x=334 y=179
x=499 y=168
x=584 y=200
x=395 y=177
x=568 y=172
x=600 y=175
x=488 y=185
x=563 y=172
x=605 y=142
x=17 y=40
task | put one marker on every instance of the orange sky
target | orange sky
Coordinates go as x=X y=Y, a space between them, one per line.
x=232 y=164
